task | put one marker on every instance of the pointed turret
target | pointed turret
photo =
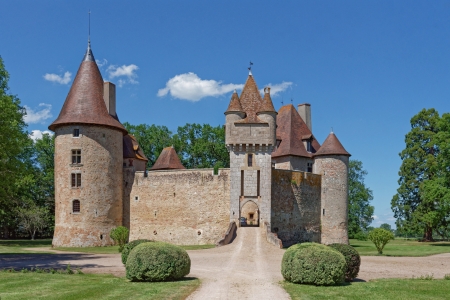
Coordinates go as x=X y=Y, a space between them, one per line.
x=332 y=146
x=251 y=101
x=84 y=103
x=267 y=104
x=235 y=104
x=167 y=160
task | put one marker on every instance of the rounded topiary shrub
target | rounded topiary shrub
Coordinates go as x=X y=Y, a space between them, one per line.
x=157 y=261
x=128 y=247
x=352 y=259
x=312 y=263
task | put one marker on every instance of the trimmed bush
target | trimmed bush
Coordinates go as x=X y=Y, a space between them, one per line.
x=380 y=237
x=312 y=263
x=120 y=236
x=157 y=261
x=352 y=259
x=128 y=247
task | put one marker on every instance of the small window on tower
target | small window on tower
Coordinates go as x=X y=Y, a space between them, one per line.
x=76 y=180
x=76 y=206
x=310 y=167
x=250 y=160
x=76 y=132
x=76 y=156
x=308 y=146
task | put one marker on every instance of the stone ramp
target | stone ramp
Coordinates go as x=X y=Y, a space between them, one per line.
x=248 y=268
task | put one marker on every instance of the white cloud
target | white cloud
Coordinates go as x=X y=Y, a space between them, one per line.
x=123 y=71
x=101 y=63
x=59 y=79
x=37 y=134
x=37 y=116
x=190 y=87
x=277 y=88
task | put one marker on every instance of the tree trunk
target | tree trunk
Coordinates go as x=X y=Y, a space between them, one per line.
x=32 y=234
x=428 y=234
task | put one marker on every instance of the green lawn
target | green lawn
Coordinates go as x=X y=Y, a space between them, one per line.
x=17 y=246
x=402 y=247
x=89 y=286
x=375 y=289
x=115 y=249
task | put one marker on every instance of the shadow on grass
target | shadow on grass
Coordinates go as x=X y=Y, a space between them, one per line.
x=441 y=245
x=26 y=243
x=178 y=280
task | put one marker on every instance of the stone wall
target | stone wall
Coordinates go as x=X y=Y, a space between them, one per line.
x=184 y=207
x=100 y=193
x=291 y=162
x=296 y=206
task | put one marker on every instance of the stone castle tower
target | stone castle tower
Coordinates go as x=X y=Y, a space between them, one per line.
x=88 y=161
x=250 y=138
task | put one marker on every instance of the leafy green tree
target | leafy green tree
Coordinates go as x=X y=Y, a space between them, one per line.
x=13 y=140
x=152 y=139
x=359 y=196
x=33 y=218
x=202 y=146
x=380 y=237
x=386 y=226
x=120 y=236
x=422 y=200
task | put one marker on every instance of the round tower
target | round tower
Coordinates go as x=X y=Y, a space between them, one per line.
x=331 y=161
x=88 y=163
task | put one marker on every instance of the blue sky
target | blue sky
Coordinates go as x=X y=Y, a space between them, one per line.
x=366 y=67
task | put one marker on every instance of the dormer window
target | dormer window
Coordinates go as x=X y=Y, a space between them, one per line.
x=308 y=146
x=76 y=132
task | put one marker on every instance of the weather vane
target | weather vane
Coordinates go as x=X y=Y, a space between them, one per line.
x=250 y=68
x=282 y=103
x=292 y=100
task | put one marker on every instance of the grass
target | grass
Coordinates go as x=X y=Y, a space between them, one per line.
x=18 y=246
x=375 y=289
x=402 y=247
x=89 y=286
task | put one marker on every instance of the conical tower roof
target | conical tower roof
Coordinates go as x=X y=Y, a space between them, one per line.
x=250 y=101
x=332 y=146
x=131 y=148
x=267 y=104
x=168 y=159
x=235 y=104
x=292 y=130
x=84 y=103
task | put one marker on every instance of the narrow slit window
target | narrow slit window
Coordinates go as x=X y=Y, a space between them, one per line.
x=250 y=160
x=76 y=206
x=242 y=182
x=76 y=156
x=258 y=183
x=76 y=132
x=76 y=180
x=323 y=211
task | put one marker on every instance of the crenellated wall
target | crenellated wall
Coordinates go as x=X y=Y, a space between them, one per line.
x=184 y=207
x=296 y=206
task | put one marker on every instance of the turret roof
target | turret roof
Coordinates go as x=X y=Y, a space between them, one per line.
x=332 y=146
x=84 y=103
x=267 y=104
x=235 y=104
x=131 y=148
x=292 y=130
x=250 y=101
x=168 y=159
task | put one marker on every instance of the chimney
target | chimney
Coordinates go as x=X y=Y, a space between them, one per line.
x=304 y=110
x=109 y=95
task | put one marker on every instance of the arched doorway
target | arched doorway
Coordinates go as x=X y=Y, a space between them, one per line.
x=249 y=215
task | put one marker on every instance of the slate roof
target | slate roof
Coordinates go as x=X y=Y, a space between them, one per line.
x=332 y=146
x=131 y=148
x=168 y=159
x=292 y=130
x=84 y=103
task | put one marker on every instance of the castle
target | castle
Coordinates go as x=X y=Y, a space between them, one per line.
x=279 y=179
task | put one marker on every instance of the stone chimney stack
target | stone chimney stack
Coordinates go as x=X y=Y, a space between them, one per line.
x=109 y=95
x=304 y=110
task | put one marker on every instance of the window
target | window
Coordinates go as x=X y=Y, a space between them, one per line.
x=76 y=156
x=309 y=168
x=258 y=182
x=250 y=160
x=76 y=132
x=242 y=182
x=76 y=180
x=323 y=212
x=76 y=206
x=308 y=146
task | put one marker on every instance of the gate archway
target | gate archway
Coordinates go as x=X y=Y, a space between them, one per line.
x=249 y=211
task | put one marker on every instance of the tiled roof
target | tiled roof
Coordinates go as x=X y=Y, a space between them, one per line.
x=84 y=103
x=332 y=146
x=267 y=105
x=291 y=129
x=235 y=104
x=131 y=148
x=168 y=159
x=250 y=101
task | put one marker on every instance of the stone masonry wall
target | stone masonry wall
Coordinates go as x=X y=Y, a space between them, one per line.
x=295 y=163
x=100 y=193
x=184 y=207
x=296 y=206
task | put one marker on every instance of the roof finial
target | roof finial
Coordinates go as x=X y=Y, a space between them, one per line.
x=250 y=68
x=89 y=56
x=89 y=30
x=332 y=130
x=235 y=92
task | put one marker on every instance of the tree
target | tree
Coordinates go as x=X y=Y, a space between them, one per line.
x=13 y=140
x=380 y=237
x=33 y=218
x=386 y=226
x=359 y=196
x=202 y=146
x=423 y=198
x=152 y=139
